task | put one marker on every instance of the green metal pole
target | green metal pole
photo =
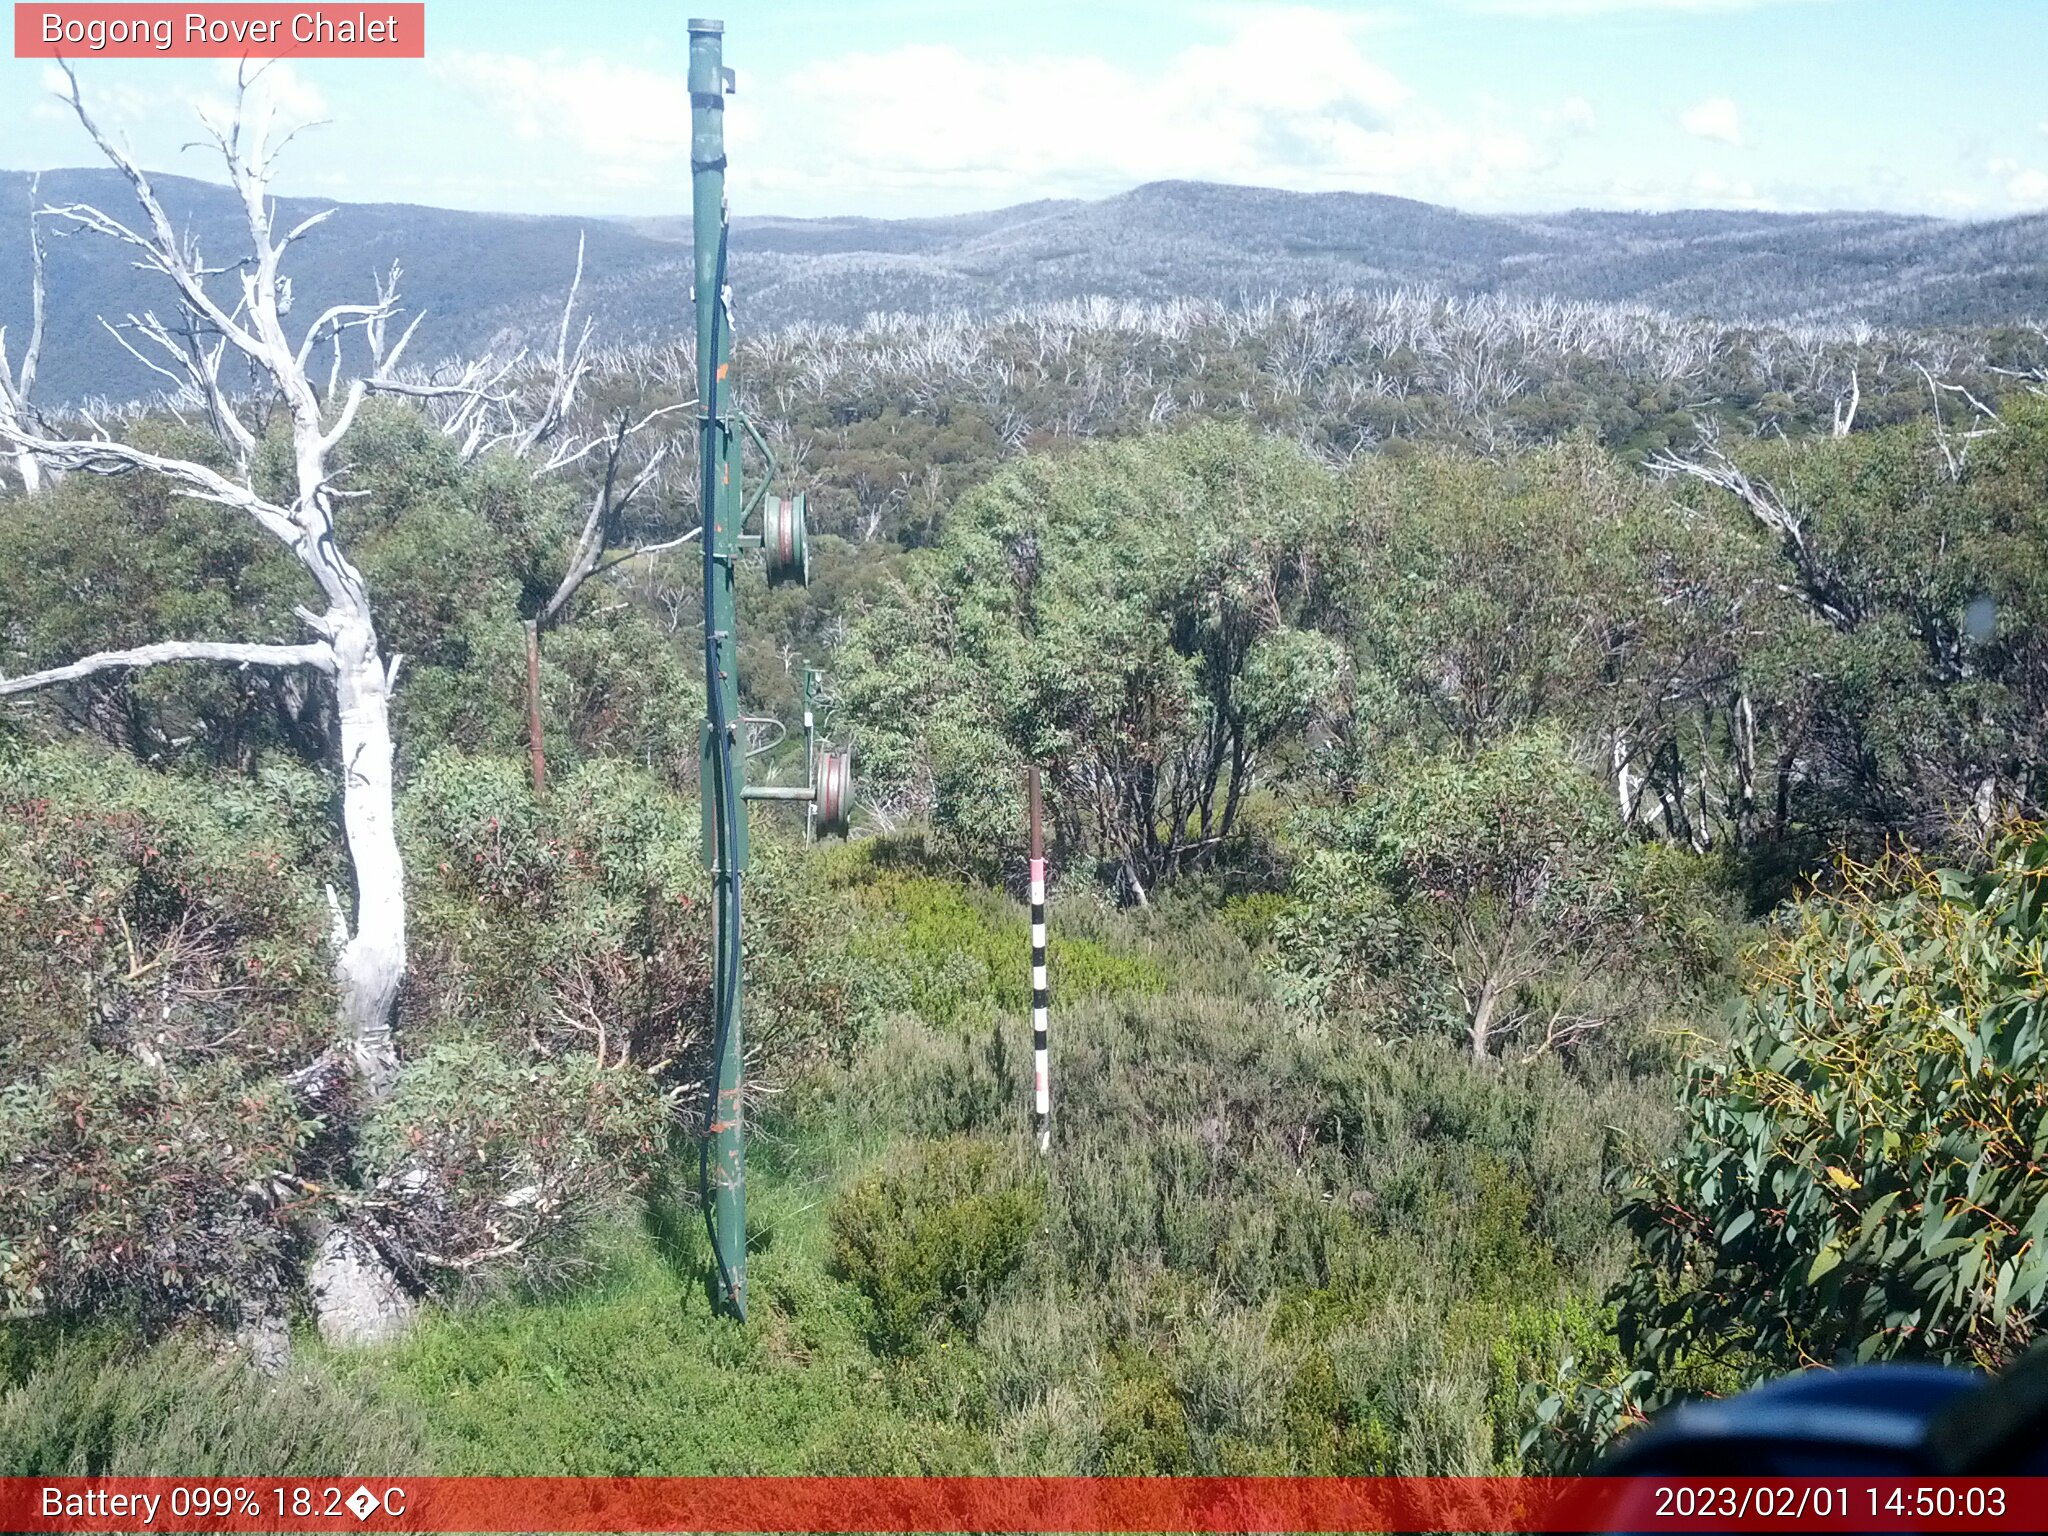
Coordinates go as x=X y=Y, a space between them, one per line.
x=723 y=1170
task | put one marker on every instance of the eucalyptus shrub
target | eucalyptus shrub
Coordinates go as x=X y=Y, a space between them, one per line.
x=579 y=925
x=1493 y=895
x=508 y=1163
x=161 y=969
x=1141 y=618
x=1863 y=1174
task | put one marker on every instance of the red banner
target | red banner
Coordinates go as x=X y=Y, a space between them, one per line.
x=359 y=31
x=1021 y=1504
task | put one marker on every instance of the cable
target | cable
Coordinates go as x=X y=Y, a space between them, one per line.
x=726 y=965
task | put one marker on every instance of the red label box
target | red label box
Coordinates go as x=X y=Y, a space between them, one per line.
x=1021 y=1505
x=370 y=30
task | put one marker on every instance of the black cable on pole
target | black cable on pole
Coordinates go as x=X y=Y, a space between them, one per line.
x=726 y=964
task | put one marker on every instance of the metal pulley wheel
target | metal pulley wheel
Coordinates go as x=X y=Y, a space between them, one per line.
x=785 y=542
x=835 y=794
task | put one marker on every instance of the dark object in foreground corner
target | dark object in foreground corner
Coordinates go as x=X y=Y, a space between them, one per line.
x=1880 y=1421
x=1872 y=1419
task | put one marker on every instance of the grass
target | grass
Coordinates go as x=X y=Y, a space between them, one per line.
x=635 y=1374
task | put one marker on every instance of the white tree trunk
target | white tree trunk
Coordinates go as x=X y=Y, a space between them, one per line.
x=1479 y=1031
x=25 y=463
x=1624 y=777
x=355 y=1295
x=371 y=963
x=17 y=384
x=356 y=1300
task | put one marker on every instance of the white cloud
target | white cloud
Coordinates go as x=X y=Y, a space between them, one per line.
x=1293 y=99
x=2026 y=186
x=1572 y=8
x=630 y=123
x=1715 y=118
x=1575 y=115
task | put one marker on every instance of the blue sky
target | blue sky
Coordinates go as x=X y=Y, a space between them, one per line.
x=895 y=107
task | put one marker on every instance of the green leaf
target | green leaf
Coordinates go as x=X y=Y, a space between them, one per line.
x=1824 y=1261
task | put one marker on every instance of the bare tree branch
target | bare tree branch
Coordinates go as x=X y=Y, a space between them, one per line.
x=102 y=455
x=568 y=370
x=1712 y=466
x=1845 y=413
x=18 y=384
x=608 y=505
x=640 y=551
x=161 y=249
x=318 y=656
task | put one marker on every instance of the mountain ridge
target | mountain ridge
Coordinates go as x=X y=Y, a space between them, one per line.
x=493 y=279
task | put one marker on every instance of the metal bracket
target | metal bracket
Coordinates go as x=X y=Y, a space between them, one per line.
x=765 y=720
x=767 y=475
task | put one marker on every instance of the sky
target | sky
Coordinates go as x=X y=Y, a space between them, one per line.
x=890 y=108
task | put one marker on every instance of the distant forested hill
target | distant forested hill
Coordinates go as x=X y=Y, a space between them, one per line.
x=498 y=278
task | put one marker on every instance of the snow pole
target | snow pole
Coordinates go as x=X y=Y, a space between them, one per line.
x=1041 y=1063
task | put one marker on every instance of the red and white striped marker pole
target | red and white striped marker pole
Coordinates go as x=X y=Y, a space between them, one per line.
x=1041 y=1068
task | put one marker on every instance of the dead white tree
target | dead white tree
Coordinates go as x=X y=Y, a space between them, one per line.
x=1817 y=583
x=354 y=1293
x=1845 y=410
x=17 y=383
x=600 y=543
x=597 y=550
x=1945 y=439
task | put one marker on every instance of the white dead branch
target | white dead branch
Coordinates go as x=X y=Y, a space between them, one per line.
x=1711 y=465
x=17 y=383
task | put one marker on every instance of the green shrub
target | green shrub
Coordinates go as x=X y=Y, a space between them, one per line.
x=158 y=914
x=859 y=1442
x=919 y=1081
x=635 y=1374
x=932 y=1236
x=1491 y=894
x=580 y=924
x=509 y=1163
x=181 y=1410
x=163 y=962
x=949 y=954
x=1254 y=916
x=1144 y=1427
x=1862 y=1175
x=130 y=1190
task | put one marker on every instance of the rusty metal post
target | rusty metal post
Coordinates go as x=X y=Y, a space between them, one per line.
x=536 y=744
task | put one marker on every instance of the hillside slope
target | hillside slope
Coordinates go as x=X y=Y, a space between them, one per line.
x=498 y=278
